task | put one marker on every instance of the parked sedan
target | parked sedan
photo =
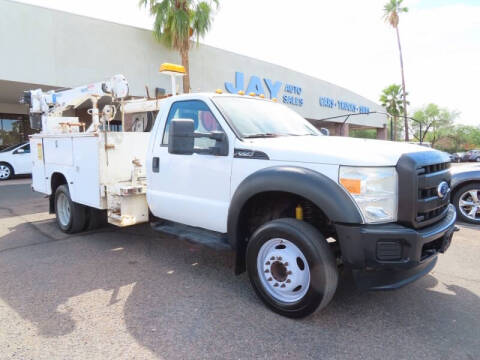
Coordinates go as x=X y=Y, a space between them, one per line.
x=456 y=157
x=15 y=160
x=466 y=193
x=472 y=155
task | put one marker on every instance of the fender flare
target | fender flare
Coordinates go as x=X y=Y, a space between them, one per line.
x=325 y=193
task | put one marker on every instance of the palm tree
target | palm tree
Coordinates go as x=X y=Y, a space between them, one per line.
x=177 y=21
x=391 y=12
x=391 y=100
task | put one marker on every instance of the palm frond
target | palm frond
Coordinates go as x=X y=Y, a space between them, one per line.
x=202 y=20
x=391 y=11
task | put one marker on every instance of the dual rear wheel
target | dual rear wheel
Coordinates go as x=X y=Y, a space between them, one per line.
x=73 y=217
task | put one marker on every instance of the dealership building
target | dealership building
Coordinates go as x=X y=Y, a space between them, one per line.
x=50 y=49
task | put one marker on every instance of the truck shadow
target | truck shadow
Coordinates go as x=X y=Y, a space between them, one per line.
x=184 y=301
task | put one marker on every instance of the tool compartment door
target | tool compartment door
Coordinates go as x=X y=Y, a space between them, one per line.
x=39 y=183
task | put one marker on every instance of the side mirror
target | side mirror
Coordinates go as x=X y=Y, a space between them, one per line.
x=181 y=137
x=325 y=131
x=221 y=147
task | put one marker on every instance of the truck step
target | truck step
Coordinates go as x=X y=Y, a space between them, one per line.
x=196 y=235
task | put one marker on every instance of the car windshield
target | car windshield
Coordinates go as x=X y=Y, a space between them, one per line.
x=256 y=118
x=11 y=147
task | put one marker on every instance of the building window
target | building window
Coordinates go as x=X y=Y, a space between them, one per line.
x=14 y=129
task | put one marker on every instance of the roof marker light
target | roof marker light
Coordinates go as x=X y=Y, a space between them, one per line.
x=241 y=92
x=172 y=68
x=252 y=94
x=262 y=96
x=219 y=91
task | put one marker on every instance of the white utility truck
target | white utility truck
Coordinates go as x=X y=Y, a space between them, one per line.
x=247 y=173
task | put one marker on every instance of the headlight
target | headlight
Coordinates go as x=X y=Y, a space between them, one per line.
x=374 y=189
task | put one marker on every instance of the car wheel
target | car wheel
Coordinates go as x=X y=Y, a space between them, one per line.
x=467 y=203
x=71 y=216
x=291 y=267
x=6 y=171
x=477 y=159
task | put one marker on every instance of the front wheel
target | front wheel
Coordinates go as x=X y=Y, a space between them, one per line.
x=291 y=267
x=6 y=172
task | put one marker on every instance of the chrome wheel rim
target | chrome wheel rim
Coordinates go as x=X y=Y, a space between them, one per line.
x=63 y=209
x=469 y=204
x=283 y=270
x=4 y=172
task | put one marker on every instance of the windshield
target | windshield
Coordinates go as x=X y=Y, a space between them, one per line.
x=260 y=118
x=8 y=148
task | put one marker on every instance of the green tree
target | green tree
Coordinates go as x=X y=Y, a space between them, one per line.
x=461 y=138
x=435 y=123
x=363 y=133
x=392 y=100
x=391 y=14
x=177 y=22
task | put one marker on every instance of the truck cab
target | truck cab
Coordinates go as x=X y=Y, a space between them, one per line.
x=255 y=170
x=243 y=172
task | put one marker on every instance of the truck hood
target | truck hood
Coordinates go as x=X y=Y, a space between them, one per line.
x=335 y=150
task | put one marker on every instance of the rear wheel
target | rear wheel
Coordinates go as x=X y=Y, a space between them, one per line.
x=467 y=203
x=96 y=218
x=6 y=171
x=71 y=216
x=291 y=267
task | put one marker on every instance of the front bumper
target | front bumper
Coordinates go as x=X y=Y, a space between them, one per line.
x=389 y=256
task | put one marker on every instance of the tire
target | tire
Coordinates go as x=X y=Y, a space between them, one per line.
x=469 y=193
x=96 y=218
x=284 y=247
x=70 y=216
x=6 y=171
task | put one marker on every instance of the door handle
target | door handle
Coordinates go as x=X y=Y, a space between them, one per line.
x=156 y=164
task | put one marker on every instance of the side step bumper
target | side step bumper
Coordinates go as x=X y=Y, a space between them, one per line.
x=196 y=235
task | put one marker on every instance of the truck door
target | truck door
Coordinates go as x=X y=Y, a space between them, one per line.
x=191 y=189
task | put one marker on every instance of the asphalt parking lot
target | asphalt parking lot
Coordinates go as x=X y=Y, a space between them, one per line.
x=136 y=294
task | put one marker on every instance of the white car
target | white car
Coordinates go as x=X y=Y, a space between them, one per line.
x=15 y=160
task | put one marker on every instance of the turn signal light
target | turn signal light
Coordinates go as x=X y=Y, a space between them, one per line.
x=353 y=186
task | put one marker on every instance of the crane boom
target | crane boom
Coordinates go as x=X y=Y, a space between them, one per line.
x=53 y=103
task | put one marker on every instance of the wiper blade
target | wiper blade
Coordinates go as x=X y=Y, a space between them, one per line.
x=265 y=135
